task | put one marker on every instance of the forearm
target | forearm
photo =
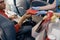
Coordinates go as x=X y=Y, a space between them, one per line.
x=49 y=6
x=21 y=20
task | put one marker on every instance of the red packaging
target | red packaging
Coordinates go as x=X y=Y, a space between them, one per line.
x=33 y=12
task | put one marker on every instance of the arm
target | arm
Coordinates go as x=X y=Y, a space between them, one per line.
x=21 y=20
x=50 y=6
x=18 y=25
x=25 y=16
x=47 y=7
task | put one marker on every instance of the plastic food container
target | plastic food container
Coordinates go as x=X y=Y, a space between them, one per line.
x=51 y=37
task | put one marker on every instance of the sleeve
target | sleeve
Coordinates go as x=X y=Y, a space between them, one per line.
x=17 y=27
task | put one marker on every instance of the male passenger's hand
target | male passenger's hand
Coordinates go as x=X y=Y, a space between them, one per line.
x=27 y=14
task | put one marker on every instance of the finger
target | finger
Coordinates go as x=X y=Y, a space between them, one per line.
x=29 y=15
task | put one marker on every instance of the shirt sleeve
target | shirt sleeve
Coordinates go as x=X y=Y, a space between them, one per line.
x=17 y=27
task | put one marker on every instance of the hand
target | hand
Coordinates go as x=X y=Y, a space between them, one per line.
x=31 y=11
x=26 y=15
x=36 y=8
x=13 y=17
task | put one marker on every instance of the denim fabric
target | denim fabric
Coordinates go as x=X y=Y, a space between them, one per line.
x=8 y=28
x=2 y=36
x=25 y=32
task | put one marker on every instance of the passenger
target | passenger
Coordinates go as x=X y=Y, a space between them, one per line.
x=2 y=12
x=17 y=6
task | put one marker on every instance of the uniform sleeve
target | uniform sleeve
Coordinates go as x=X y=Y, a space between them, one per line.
x=17 y=27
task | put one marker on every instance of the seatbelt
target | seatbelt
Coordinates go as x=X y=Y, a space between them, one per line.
x=16 y=7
